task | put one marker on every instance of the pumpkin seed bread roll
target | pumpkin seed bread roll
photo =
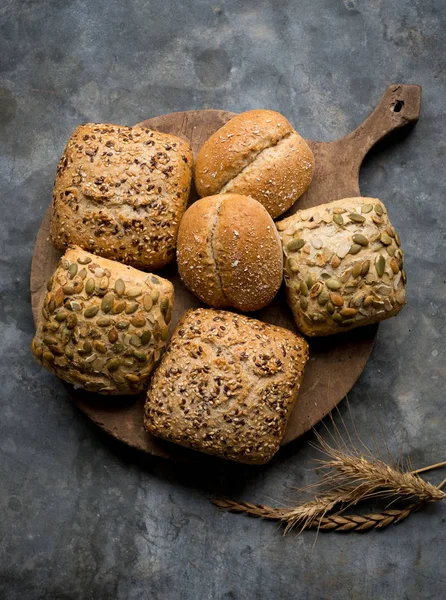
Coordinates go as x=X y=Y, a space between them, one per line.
x=104 y=325
x=226 y=385
x=258 y=154
x=343 y=266
x=229 y=252
x=120 y=192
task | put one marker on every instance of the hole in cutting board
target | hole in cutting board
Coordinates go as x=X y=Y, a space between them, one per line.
x=398 y=106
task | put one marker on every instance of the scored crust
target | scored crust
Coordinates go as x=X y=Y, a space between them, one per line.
x=226 y=385
x=256 y=153
x=120 y=192
x=103 y=325
x=229 y=252
x=343 y=266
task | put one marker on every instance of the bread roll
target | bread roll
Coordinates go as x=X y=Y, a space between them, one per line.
x=258 y=154
x=229 y=252
x=226 y=385
x=120 y=192
x=343 y=266
x=104 y=325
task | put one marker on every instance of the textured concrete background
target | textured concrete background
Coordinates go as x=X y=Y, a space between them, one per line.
x=82 y=517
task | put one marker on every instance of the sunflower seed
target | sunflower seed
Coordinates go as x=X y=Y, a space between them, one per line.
x=348 y=312
x=380 y=265
x=91 y=311
x=293 y=265
x=89 y=286
x=112 y=336
x=333 y=284
x=113 y=364
x=356 y=218
x=84 y=260
x=397 y=280
x=131 y=308
x=138 y=321
x=58 y=297
x=368 y=301
x=338 y=219
x=295 y=244
x=78 y=286
x=354 y=249
x=103 y=284
x=135 y=340
x=303 y=302
x=377 y=220
x=401 y=297
x=100 y=347
x=360 y=239
x=366 y=208
x=118 y=307
x=337 y=210
x=132 y=378
x=335 y=262
x=316 y=243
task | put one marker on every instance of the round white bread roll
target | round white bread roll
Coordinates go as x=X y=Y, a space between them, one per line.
x=229 y=252
x=258 y=154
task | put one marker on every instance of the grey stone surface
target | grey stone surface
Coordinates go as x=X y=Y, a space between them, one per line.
x=82 y=517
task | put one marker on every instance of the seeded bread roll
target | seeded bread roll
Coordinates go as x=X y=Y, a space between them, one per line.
x=229 y=252
x=120 y=192
x=226 y=385
x=343 y=266
x=104 y=325
x=258 y=154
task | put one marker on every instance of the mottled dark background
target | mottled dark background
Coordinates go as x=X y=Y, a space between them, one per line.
x=82 y=517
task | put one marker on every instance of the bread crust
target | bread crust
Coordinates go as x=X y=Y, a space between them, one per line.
x=343 y=266
x=120 y=192
x=257 y=153
x=104 y=325
x=229 y=252
x=226 y=385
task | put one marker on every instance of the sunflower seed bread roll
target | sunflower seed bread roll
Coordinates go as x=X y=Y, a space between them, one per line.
x=257 y=154
x=343 y=266
x=226 y=385
x=120 y=192
x=229 y=252
x=104 y=325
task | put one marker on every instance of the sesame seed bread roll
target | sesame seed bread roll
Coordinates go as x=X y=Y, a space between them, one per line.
x=120 y=192
x=343 y=266
x=257 y=154
x=226 y=385
x=229 y=252
x=104 y=325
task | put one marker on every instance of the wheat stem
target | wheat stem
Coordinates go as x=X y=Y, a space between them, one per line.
x=429 y=468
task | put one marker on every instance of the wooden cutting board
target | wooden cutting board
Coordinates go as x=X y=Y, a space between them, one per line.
x=337 y=361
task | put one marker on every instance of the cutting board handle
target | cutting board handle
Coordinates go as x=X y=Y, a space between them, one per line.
x=399 y=106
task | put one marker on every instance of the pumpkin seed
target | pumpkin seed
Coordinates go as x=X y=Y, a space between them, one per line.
x=356 y=218
x=84 y=260
x=356 y=271
x=49 y=340
x=113 y=364
x=303 y=288
x=138 y=321
x=45 y=314
x=48 y=356
x=78 y=286
x=112 y=336
x=366 y=208
x=132 y=378
x=347 y=323
x=365 y=268
x=354 y=249
x=61 y=315
x=103 y=283
x=394 y=265
x=118 y=348
x=49 y=284
x=71 y=321
x=293 y=265
x=337 y=300
x=333 y=284
x=155 y=295
x=387 y=305
x=107 y=303
x=122 y=324
x=154 y=279
x=100 y=347
x=68 y=289
x=338 y=210
x=316 y=289
x=164 y=305
x=348 y=312
x=377 y=304
x=87 y=347
x=397 y=280
x=385 y=239
x=89 y=286
x=57 y=350
x=380 y=265
x=164 y=333
x=83 y=273
x=147 y=302
x=401 y=297
x=360 y=239
x=119 y=287
x=318 y=317
x=303 y=302
x=131 y=308
x=368 y=301
x=145 y=338
x=379 y=209
x=91 y=311
x=397 y=239
x=140 y=356
x=337 y=218
x=135 y=340
x=330 y=308
x=58 y=297
x=52 y=326
x=295 y=244
x=403 y=276
x=118 y=307
x=103 y=322
x=335 y=261
x=133 y=292
x=73 y=270
x=323 y=298
x=310 y=280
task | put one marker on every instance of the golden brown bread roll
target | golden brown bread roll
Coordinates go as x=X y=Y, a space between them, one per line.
x=226 y=385
x=120 y=192
x=343 y=266
x=258 y=154
x=229 y=252
x=104 y=325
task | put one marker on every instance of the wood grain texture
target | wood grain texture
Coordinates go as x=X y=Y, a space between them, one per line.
x=336 y=361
